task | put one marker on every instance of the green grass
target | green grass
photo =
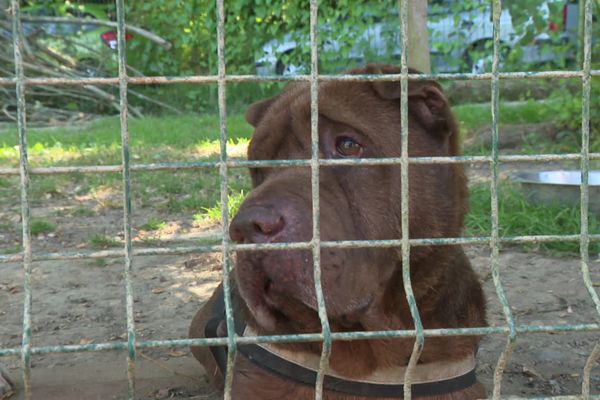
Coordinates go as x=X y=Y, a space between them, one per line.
x=40 y=225
x=475 y=116
x=518 y=217
x=11 y=249
x=98 y=241
x=153 y=224
x=197 y=192
x=4 y=183
x=155 y=139
x=209 y=241
x=213 y=214
x=82 y=212
x=98 y=262
x=152 y=139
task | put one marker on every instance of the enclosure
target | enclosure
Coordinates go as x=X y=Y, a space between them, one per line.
x=103 y=267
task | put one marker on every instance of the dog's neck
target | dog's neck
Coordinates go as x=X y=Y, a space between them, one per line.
x=437 y=377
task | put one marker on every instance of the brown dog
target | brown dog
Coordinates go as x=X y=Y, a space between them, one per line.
x=274 y=290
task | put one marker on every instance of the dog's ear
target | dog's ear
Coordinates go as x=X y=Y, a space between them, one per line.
x=389 y=90
x=426 y=100
x=257 y=111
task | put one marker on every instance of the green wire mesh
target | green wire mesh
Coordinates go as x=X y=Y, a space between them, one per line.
x=131 y=345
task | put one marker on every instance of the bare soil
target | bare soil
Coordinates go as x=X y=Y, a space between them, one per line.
x=83 y=301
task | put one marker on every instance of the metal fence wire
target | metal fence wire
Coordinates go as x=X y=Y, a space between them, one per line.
x=511 y=330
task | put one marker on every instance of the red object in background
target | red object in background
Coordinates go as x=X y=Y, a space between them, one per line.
x=110 y=38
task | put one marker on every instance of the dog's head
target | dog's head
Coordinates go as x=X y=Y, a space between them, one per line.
x=356 y=120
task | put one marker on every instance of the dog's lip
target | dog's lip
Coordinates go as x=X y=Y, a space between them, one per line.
x=263 y=309
x=268 y=314
x=346 y=317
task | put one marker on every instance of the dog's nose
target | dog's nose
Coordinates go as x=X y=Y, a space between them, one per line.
x=255 y=225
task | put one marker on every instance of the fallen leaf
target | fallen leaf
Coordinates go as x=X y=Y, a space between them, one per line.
x=158 y=290
x=161 y=394
x=532 y=373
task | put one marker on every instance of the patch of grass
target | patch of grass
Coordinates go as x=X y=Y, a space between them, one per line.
x=153 y=224
x=184 y=191
x=166 y=138
x=98 y=241
x=154 y=139
x=43 y=186
x=11 y=249
x=213 y=214
x=4 y=183
x=474 y=116
x=518 y=217
x=40 y=225
x=148 y=242
x=83 y=212
x=98 y=262
x=209 y=241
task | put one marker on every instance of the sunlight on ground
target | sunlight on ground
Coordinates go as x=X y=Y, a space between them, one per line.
x=106 y=196
x=59 y=154
x=168 y=231
x=235 y=148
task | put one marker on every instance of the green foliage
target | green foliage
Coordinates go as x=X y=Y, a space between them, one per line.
x=566 y=111
x=191 y=27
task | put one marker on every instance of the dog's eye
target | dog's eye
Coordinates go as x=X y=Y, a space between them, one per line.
x=348 y=147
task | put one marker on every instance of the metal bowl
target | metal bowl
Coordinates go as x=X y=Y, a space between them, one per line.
x=559 y=187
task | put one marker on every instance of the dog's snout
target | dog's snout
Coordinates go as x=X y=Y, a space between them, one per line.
x=256 y=225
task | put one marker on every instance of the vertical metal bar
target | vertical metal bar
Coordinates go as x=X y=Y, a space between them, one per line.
x=495 y=242
x=316 y=219
x=585 y=166
x=25 y=208
x=404 y=195
x=123 y=107
x=231 y=335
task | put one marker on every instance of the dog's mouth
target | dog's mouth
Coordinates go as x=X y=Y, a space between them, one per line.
x=271 y=297
x=278 y=311
x=273 y=310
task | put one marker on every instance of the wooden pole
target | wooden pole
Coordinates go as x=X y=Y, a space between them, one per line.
x=418 y=37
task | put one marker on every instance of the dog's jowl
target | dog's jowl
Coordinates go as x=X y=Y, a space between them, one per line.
x=273 y=291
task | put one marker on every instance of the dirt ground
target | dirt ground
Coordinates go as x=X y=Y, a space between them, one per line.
x=83 y=301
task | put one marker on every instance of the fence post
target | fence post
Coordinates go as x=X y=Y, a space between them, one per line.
x=418 y=37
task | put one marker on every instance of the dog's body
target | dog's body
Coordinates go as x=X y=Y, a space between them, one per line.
x=363 y=287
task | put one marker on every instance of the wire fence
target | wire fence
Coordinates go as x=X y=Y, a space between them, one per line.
x=511 y=330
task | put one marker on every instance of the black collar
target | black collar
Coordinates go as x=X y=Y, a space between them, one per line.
x=288 y=370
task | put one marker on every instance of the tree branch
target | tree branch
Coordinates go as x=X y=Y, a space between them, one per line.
x=90 y=21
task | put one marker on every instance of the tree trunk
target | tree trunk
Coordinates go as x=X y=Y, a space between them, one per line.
x=418 y=37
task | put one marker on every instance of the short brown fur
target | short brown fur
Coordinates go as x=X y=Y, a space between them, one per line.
x=363 y=288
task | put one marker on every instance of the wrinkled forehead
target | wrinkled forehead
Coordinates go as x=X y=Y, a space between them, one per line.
x=355 y=104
